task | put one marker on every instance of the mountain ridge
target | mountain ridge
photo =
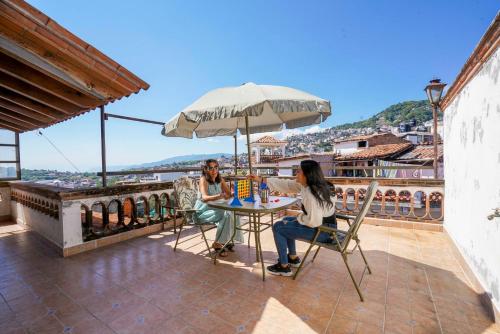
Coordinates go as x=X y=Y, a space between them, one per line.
x=405 y=111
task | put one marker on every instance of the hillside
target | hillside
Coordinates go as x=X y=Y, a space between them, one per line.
x=420 y=111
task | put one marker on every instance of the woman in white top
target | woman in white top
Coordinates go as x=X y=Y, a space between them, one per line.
x=318 y=207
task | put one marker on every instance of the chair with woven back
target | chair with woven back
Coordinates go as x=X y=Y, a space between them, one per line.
x=185 y=194
x=342 y=240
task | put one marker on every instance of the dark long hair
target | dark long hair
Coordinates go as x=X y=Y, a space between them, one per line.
x=204 y=172
x=320 y=188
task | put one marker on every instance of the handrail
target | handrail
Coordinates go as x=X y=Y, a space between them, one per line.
x=198 y=169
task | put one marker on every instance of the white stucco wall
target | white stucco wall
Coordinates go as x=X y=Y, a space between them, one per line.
x=48 y=227
x=4 y=203
x=288 y=163
x=71 y=213
x=472 y=174
x=67 y=230
x=346 y=147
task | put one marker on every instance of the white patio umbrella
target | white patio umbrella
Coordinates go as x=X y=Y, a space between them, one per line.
x=249 y=108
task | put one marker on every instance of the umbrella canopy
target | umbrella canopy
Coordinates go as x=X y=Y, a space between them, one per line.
x=249 y=108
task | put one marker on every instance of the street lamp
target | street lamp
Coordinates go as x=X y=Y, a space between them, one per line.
x=434 y=92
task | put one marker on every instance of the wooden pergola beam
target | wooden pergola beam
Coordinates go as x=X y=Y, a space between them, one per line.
x=30 y=104
x=37 y=94
x=18 y=110
x=94 y=80
x=7 y=127
x=16 y=127
x=31 y=76
x=49 y=75
x=16 y=118
x=32 y=60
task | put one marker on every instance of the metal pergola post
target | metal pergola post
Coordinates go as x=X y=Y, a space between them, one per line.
x=103 y=146
x=18 y=157
x=104 y=118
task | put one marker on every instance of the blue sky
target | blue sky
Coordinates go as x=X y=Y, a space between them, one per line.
x=361 y=55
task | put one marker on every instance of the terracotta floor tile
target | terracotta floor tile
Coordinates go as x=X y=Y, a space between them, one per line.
x=201 y=318
x=14 y=291
x=73 y=315
x=451 y=310
x=107 y=290
x=89 y=327
x=368 y=328
x=10 y=325
x=398 y=328
x=171 y=326
x=141 y=320
x=5 y=311
x=449 y=326
x=340 y=325
x=48 y=324
x=110 y=307
x=423 y=324
x=27 y=308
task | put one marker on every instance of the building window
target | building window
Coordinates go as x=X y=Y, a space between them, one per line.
x=9 y=156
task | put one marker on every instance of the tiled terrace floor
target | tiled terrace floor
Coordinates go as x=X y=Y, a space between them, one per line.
x=142 y=286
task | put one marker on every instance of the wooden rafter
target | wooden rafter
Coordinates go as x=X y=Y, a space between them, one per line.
x=30 y=104
x=27 y=74
x=16 y=118
x=48 y=75
x=13 y=126
x=37 y=94
x=19 y=110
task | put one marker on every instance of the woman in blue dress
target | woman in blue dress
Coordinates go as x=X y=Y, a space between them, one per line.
x=212 y=188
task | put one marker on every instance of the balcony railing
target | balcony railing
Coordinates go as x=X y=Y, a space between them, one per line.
x=73 y=217
x=419 y=200
x=401 y=199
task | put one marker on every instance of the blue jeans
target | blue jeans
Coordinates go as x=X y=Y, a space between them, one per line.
x=285 y=233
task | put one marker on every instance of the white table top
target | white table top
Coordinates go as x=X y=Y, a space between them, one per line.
x=275 y=204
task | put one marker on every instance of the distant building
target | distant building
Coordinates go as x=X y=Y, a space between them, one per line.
x=287 y=162
x=266 y=151
x=358 y=143
x=404 y=127
x=416 y=137
x=325 y=161
x=368 y=157
x=419 y=155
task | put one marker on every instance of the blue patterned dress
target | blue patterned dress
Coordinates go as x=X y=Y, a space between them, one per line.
x=222 y=218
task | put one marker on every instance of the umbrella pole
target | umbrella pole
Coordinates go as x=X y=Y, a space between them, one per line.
x=235 y=156
x=250 y=198
x=248 y=146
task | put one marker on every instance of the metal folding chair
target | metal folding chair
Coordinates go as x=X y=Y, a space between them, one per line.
x=341 y=240
x=185 y=193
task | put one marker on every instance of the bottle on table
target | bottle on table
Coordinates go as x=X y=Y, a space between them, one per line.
x=264 y=193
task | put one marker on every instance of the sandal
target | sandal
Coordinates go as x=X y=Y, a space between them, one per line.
x=222 y=252
x=230 y=247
